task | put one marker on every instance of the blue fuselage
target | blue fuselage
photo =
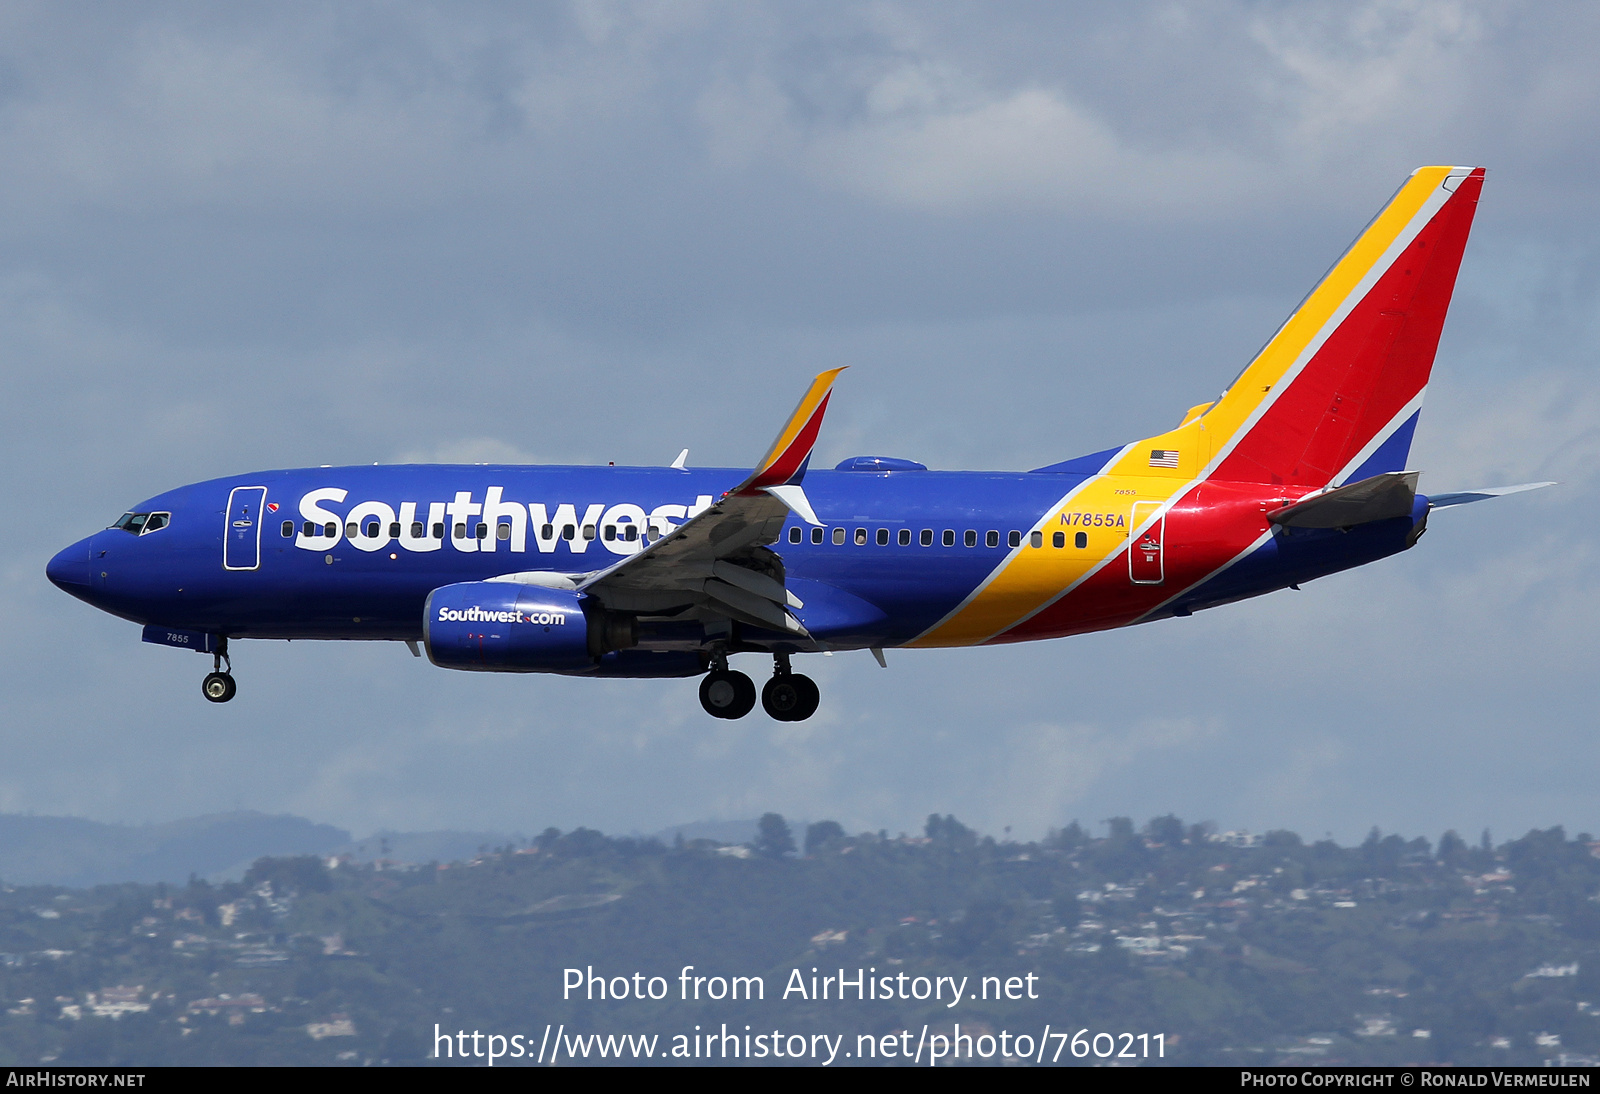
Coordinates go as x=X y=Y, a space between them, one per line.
x=353 y=552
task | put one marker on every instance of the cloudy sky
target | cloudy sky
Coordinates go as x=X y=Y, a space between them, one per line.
x=254 y=236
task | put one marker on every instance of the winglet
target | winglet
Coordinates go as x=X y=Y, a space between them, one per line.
x=785 y=462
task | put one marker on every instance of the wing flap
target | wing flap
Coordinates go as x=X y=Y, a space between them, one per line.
x=758 y=583
x=749 y=604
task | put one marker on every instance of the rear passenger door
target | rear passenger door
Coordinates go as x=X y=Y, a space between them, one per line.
x=1146 y=565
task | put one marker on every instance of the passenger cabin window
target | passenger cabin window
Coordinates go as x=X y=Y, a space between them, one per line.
x=288 y=529
x=861 y=537
x=416 y=529
x=926 y=538
x=309 y=529
x=546 y=531
x=1081 y=540
x=483 y=531
x=372 y=530
x=588 y=531
x=949 y=537
x=502 y=531
x=838 y=536
x=1059 y=539
x=568 y=532
x=330 y=530
x=1035 y=539
x=905 y=537
x=991 y=538
x=794 y=535
x=1014 y=539
x=816 y=535
x=971 y=538
x=438 y=531
x=631 y=533
x=350 y=529
x=883 y=537
x=461 y=531
x=394 y=530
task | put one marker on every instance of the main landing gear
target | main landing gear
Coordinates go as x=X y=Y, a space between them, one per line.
x=218 y=686
x=727 y=694
x=787 y=697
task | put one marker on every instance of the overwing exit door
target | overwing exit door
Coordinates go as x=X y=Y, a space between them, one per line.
x=241 y=538
x=1146 y=566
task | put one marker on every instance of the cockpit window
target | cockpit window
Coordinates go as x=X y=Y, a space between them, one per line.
x=139 y=524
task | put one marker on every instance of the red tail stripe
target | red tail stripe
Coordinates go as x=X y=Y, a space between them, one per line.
x=1375 y=363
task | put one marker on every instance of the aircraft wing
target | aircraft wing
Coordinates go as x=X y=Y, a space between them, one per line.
x=716 y=560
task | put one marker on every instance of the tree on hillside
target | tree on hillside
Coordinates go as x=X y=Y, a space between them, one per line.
x=821 y=834
x=947 y=829
x=773 y=838
x=296 y=874
x=1167 y=830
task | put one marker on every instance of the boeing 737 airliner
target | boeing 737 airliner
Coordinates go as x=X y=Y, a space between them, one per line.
x=1296 y=471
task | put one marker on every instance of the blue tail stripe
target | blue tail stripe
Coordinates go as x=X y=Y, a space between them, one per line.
x=1391 y=455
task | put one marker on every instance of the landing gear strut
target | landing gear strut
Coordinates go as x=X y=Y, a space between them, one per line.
x=789 y=696
x=725 y=693
x=218 y=686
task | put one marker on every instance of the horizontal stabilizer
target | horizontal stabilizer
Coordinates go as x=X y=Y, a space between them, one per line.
x=1382 y=497
x=1462 y=497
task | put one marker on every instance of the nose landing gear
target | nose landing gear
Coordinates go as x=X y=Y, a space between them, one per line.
x=218 y=686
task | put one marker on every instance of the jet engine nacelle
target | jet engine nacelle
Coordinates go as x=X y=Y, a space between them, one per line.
x=497 y=626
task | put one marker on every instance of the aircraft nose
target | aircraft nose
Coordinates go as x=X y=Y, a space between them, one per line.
x=69 y=570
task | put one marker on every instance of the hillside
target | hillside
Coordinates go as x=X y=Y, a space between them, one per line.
x=1219 y=948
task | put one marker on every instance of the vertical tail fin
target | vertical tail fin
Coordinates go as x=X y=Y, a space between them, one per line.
x=1334 y=396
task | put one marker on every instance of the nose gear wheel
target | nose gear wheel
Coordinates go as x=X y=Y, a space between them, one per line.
x=218 y=687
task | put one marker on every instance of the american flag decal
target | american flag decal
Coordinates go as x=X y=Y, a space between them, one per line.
x=1163 y=457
